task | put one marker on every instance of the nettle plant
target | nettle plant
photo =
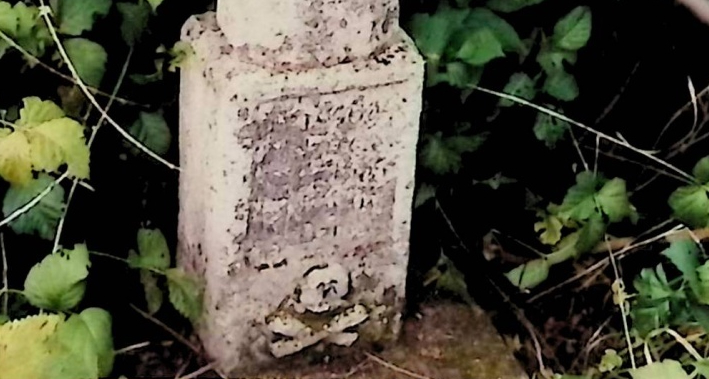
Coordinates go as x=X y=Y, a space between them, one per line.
x=44 y=147
x=462 y=42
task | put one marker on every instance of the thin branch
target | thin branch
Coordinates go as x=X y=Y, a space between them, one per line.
x=162 y=325
x=130 y=348
x=578 y=149
x=52 y=30
x=95 y=130
x=5 y=282
x=617 y=141
x=199 y=372
x=395 y=368
x=677 y=115
x=623 y=312
x=620 y=254
x=58 y=73
x=25 y=208
x=616 y=98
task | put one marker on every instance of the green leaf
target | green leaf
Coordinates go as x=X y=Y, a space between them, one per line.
x=432 y=32
x=8 y=19
x=153 y=293
x=151 y=129
x=519 y=85
x=23 y=24
x=701 y=315
x=666 y=369
x=610 y=361
x=185 y=293
x=443 y=155
x=579 y=203
x=550 y=129
x=99 y=323
x=684 y=256
x=135 y=21
x=614 y=201
x=452 y=280
x=701 y=170
x=551 y=226
x=78 y=16
x=83 y=347
x=153 y=250
x=591 y=234
x=530 y=274
x=552 y=60
x=573 y=31
x=155 y=3
x=437 y=157
x=425 y=193
x=510 y=5
x=690 y=205
x=703 y=277
x=496 y=181
x=89 y=59
x=42 y=219
x=480 y=47
x=462 y=75
x=561 y=85
x=36 y=112
x=180 y=54
x=480 y=18
x=702 y=367
x=58 y=281
x=44 y=140
x=652 y=284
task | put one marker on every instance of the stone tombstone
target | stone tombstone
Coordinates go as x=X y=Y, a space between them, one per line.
x=298 y=133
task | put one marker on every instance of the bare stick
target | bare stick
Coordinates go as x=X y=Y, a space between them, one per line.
x=199 y=372
x=617 y=141
x=132 y=347
x=5 y=282
x=75 y=182
x=52 y=30
x=395 y=368
x=162 y=325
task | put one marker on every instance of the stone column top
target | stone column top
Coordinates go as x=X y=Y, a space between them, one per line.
x=222 y=66
x=282 y=34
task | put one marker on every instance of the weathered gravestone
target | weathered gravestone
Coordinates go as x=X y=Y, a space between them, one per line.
x=299 y=125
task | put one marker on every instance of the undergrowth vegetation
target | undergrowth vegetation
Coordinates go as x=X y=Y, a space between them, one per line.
x=662 y=306
x=88 y=169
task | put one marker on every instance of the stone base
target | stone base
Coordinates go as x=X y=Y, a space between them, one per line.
x=295 y=200
x=445 y=340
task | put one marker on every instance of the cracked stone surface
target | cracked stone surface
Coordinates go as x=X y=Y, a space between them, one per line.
x=295 y=197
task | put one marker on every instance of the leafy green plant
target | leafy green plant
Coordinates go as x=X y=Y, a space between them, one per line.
x=461 y=42
x=46 y=141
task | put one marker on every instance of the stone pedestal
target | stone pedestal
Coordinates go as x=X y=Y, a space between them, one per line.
x=296 y=195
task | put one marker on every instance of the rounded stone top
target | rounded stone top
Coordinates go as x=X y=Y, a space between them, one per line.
x=292 y=34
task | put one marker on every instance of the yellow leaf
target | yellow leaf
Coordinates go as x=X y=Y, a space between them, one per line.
x=551 y=226
x=60 y=141
x=43 y=140
x=24 y=347
x=15 y=159
x=36 y=111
